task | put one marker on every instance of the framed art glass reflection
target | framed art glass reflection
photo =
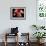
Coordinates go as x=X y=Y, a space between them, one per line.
x=41 y=8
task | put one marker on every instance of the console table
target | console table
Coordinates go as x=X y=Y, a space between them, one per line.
x=8 y=35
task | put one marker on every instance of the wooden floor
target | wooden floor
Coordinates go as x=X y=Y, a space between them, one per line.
x=13 y=44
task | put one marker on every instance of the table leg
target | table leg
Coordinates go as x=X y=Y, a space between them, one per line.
x=5 y=40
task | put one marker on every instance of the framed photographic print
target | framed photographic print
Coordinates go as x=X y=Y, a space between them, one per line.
x=41 y=12
x=17 y=13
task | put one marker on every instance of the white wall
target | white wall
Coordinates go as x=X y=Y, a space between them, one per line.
x=24 y=25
